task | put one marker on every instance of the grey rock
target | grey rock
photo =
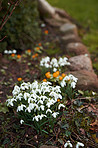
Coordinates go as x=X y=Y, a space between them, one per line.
x=77 y=48
x=70 y=38
x=69 y=28
x=54 y=22
x=80 y=62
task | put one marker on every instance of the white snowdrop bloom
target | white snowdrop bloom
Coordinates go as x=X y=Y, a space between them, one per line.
x=68 y=143
x=43 y=25
x=28 y=109
x=48 y=104
x=36 y=118
x=79 y=144
x=24 y=86
x=14 y=51
x=73 y=84
x=47 y=65
x=47 y=59
x=73 y=78
x=63 y=83
x=19 y=97
x=43 y=98
x=6 y=51
x=54 y=69
x=9 y=52
x=42 y=107
x=40 y=102
x=41 y=116
x=61 y=105
x=93 y=93
x=20 y=108
x=26 y=95
x=31 y=106
x=54 y=62
x=57 y=89
x=55 y=114
x=16 y=90
x=21 y=121
x=48 y=110
x=86 y=55
x=66 y=78
x=10 y=102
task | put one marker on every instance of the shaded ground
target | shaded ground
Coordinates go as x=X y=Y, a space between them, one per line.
x=16 y=135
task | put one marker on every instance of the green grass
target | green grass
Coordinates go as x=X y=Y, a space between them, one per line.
x=86 y=13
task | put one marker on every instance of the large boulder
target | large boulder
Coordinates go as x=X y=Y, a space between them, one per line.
x=70 y=38
x=80 y=62
x=54 y=22
x=69 y=28
x=77 y=48
x=86 y=80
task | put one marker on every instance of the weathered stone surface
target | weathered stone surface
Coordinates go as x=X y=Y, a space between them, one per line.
x=86 y=80
x=70 y=38
x=77 y=48
x=45 y=146
x=80 y=62
x=69 y=28
x=54 y=22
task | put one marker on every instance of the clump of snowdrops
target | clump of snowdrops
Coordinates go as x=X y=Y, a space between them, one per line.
x=37 y=104
x=53 y=64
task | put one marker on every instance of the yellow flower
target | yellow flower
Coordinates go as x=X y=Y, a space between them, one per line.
x=18 y=56
x=37 y=48
x=44 y=80
x=56 y=74
x=48 y=75
x=29 y=50
x=12 y=55
x=60 y=78
x=58 y=100
x=63 y=75
x=46 y=31
x=40 y=44
x=19 y=79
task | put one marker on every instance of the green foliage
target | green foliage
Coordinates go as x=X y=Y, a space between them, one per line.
x=22 y=28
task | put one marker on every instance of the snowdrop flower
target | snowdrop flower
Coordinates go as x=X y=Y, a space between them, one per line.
x=21 y=121
x=54 y=69
x=41 y=116
x=28 y=109
x=42 y=107
x=36 y=118
x=19 y=97
x=10 y=52
x=61 y=105
x=14 y=51
x=68 y=143
x=48 y=110
x=57 y=89
x=43 y=25
x=55 y=114
x=16 y=90
x=73 y=78
x=63 y=83
x=73 y=84
x=79 y=144
x=6 y=51
x=24 y=86
x=26 y=95
x=93 y=93
x=10 y=102
x=20 y=108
